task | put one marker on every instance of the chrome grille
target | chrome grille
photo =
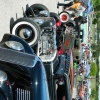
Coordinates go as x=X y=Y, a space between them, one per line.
x=22 y=94
x=67 y=63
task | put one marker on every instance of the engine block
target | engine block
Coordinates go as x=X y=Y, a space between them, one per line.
x=47 y=43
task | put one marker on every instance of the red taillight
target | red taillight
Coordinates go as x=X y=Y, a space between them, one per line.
x=58 y=23
x=64 y=17
x=60 y=50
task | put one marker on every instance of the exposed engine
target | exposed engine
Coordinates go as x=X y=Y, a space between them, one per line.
x=46 y=47
x=47 y=42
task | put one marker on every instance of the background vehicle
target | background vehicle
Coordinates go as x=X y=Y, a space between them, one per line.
x=75 y=44
x=37 y=10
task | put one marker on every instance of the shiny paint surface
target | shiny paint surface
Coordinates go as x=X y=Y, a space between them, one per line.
x=31 y=79
x=9 y=37
x=21 y=78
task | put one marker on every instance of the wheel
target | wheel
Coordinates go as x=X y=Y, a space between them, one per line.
x=35 y=9
x=64 y=17
x=27 y=29
x=55 y=16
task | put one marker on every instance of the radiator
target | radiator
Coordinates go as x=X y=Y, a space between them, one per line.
x=22 y=94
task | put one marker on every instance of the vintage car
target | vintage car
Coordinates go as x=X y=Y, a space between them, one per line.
x=23 y=76
x=45 y=48
x=22 y=73
x=71 y=42
x=69 y=62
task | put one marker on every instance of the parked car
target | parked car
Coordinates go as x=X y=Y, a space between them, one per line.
x=22 y=73
x=40 y=33
x=75 y=44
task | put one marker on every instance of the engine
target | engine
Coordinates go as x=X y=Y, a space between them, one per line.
x=47 y=42
x=46 y=47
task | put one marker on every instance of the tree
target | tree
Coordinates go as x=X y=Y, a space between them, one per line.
x=95 y=50
x=95 y=21
x=94 y=46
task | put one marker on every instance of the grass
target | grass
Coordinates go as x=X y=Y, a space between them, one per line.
x=93 y=33
x=93 y=81
x=93 y=86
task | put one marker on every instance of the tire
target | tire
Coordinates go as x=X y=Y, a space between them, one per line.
x=55 y=16
x=27 y=29
x=67 y=14
x=35 y=8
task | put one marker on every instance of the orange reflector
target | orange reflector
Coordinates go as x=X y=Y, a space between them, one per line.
x=66 y=42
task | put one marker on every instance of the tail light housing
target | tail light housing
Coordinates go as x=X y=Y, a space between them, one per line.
x=58 y=23
x=60 y=50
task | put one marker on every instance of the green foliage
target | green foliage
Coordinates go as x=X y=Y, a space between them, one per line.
x=96 y=5
x=94 y=47
x=93 y=93
x=95 y=21
x=94 y=69
x=95 y=54
x=96 y=50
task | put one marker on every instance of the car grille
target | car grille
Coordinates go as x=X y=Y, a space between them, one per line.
x=22 y=94
x=67 y=63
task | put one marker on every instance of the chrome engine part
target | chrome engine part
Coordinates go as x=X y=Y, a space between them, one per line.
x=47 y=48
x=47 y=42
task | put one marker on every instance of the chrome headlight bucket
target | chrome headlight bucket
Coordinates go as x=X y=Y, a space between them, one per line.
x=15 y=45
x=39 y=21
x=3 y=76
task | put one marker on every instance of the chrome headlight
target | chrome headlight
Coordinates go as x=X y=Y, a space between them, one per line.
x=14 y=45
x=3 y=76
